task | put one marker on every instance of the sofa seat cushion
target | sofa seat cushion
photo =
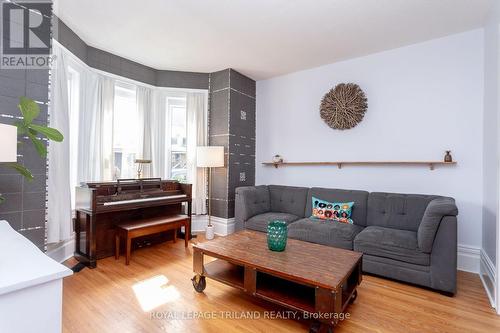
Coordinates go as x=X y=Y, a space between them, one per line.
x=260 y=222
x=391 y=243
x=329 y=233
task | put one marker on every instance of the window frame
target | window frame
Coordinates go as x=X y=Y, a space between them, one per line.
x=73 y=82
x=131 y=89
x=169 y=122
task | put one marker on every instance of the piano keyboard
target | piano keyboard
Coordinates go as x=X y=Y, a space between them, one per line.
x=122 y=202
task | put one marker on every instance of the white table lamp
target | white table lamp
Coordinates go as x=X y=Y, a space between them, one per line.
x=8 y=143
x=209 y=157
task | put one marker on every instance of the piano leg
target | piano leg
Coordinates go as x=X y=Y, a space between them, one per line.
x=76 y=228
x=93 y=242
x=86 y=255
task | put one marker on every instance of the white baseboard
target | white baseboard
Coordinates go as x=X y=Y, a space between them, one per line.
x=222 y=226
x=198 y=223
x=487 y=273
x=62 y=251
x=475 y=260
x=468 y=258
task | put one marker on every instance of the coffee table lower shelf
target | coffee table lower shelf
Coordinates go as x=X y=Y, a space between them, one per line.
x=302 y=297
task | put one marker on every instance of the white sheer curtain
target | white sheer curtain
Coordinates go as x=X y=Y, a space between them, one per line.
x=196 y=108
x=95 y=130
x=144 y=109
x=59 y=195
x=94 y=138
x=106 y=102
x=89 y=160
x=156 y=149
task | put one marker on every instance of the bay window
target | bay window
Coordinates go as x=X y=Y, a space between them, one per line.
x=108 y=123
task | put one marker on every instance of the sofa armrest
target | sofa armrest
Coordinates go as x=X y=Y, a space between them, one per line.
x=444 y=256
x=434 y=213
x=250 y=201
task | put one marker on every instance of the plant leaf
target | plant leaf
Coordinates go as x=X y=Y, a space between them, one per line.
x=21 y=128
x=22 y=170
x=29 y=109
x=39 y=146
x=50 y=133
x=2 y=199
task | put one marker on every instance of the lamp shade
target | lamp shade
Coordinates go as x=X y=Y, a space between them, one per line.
x=210 y=156
x=8 y=143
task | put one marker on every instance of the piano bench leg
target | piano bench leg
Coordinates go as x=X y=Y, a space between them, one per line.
x=175 y=235
x=186 y=235
x=117 y=245
x=129 y=248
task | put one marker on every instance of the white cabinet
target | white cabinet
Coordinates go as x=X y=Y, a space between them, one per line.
x=30 y=286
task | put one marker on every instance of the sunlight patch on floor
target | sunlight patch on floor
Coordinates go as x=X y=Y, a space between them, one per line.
x=154 y=292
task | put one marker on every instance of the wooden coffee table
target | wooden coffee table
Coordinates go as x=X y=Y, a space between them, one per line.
x=319 y=281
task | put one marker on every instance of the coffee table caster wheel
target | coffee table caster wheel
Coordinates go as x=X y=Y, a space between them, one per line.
x=199 y=283
x=317 y=327
x=354 y=296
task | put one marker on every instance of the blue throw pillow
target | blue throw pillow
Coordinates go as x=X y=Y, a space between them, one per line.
x=333 y=211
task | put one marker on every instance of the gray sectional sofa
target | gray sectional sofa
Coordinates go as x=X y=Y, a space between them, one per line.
x=407 y=237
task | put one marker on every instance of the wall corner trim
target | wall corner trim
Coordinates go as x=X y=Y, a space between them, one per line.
x=468 y=258
x=223 y=227
x=62 y=251
x=488 y=276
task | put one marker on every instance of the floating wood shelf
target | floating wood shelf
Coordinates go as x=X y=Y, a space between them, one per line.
x=430 y=164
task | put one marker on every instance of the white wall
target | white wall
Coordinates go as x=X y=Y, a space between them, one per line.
x=491 y=150
x=423 y=99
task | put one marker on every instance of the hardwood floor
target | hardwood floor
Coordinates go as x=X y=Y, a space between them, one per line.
x=154 y=294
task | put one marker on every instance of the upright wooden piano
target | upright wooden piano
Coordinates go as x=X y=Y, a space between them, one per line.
x=99 y=206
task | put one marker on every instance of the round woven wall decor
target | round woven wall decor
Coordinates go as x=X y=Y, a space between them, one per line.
x=344 y=106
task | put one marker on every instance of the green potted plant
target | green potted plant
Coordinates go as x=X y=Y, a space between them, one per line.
x=27 y=127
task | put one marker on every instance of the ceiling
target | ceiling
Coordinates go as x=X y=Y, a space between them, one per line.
x=262 y=38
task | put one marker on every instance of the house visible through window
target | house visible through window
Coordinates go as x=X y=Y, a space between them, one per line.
x=127 y=132
x=177 y=120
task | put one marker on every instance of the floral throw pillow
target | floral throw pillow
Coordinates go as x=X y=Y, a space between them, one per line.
x=333 y=211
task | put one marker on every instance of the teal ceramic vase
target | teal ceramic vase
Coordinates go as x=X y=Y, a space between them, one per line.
x=277 y=233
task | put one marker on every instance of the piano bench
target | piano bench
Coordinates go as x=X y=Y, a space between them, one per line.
x=131 y=230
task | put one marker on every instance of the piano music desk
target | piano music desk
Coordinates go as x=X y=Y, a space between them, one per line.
x=128 y=231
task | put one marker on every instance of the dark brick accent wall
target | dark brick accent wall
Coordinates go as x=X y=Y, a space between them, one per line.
x=25 y=205
x=232 y=125
x=190 y=80
x=117 y=65
x=111 y=63
x=70 y=40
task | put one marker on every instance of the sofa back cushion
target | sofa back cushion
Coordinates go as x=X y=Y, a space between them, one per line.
x=395 y=210
x=288 y=199
x=335 y=195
